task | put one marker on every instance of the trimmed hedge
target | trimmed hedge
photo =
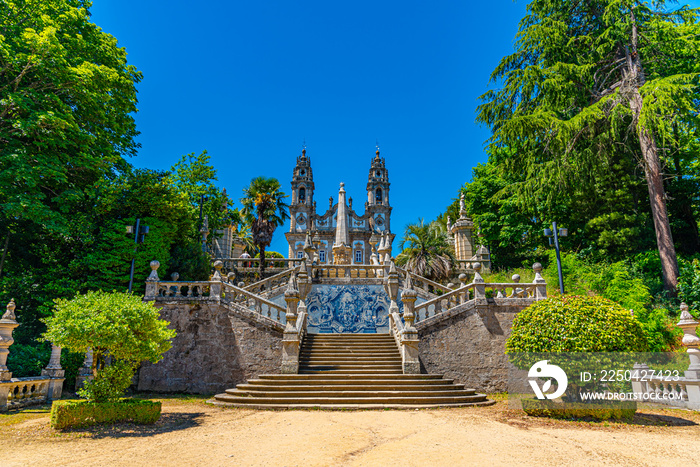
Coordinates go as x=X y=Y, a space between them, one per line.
x=82 y=413
x=576 y=324
x=597 y=411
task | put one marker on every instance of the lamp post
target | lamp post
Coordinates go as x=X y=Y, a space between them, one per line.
x=139 y=232
x=556 y=233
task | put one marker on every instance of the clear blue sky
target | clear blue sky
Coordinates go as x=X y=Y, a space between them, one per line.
x=249 y=81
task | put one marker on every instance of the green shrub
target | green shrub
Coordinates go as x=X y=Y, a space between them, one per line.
x=116 y=326
x=576 y=324
x=82 y=413
x=28 y=360
x=689 y=285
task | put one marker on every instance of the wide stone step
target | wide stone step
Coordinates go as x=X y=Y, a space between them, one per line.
x=320 y=359
x=348 y=393
x=303 y=368
x=341 y=353
x=341 y=345
x=353 y=400
x=353 y=376
x=352 y=380
x=284 y=406
x=256 y=385
x=361 y=371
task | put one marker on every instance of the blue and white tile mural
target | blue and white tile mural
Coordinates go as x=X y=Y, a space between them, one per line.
x=348 y=308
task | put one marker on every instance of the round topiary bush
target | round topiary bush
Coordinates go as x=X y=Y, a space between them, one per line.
x=582 y=334
x=576 y=324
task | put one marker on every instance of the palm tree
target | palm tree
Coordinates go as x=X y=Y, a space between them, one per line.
x=263 y=204
x=426 y=251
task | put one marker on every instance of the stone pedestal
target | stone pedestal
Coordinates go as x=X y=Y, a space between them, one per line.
x=7 y=326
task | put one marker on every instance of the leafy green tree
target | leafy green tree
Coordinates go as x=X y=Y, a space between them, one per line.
x=67 y=97
x=116 y=326
x=590 y=80
x=426 y=251
x=263 y=203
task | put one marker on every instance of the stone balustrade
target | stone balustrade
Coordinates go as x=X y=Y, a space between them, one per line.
x=424 y=284
x=685 y=392
x=348 y=271
x=253 y=264
x=256 y=303
x=271 y=283
x=503 y=293
x=21 y=392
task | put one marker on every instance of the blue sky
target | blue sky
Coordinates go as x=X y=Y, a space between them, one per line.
x=250 y=81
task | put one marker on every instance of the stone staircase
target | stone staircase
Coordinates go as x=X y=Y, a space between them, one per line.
x=358 y=371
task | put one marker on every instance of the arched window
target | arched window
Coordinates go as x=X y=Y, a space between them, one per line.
x=302 y=195
x=378 y=196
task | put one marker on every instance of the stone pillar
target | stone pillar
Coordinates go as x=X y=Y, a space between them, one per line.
x=290 y=338
x=216 y=280
x=57 y=374
x=691 y=340
x=85 y=373
x=8 y=324
x=152 y=282
x=540 y=283
x=479 y=287
x=409 y=338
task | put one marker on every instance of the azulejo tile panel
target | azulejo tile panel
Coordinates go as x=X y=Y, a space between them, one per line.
x=348 y=308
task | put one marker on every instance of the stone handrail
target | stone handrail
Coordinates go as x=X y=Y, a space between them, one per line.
x=348 y=271
x=444 y=302
x=21 y=392
x=505 y=292
x=686 y=391
x=422 y=283
x=273 y=282
x=396 y=327
x=185 y=290
x=662 y=391
x=253 y=263
x=254 y=302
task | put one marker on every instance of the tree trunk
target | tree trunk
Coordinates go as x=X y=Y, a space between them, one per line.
x=262 y=261
x=633 y=80
x=664 y=238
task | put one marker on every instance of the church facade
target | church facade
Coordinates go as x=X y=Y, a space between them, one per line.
x=340 y=235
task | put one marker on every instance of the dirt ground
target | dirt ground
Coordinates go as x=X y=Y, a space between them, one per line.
x=193 y=433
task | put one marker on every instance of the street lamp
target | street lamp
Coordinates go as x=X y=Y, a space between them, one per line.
x=139 y=232
x=556 y=233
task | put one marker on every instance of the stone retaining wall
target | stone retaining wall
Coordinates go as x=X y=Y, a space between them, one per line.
x=214 y=350
x=469 y=347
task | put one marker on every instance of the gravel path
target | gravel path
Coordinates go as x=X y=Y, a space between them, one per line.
x=193 y=433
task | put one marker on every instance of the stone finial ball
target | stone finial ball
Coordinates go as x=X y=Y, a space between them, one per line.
x=218 y=265
x=155 y=264
x=175 y=276
x=476 y=267
x=462 y=278
x=450 y=285
x=241 y=285
x=516 y=277
x=537 y=267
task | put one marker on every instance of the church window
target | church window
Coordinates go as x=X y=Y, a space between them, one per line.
x=303 y=172
x=322 y=256
x=378 y=173
x=358 y=256
x=300 y=255
x=302 y=195
x=378 y=196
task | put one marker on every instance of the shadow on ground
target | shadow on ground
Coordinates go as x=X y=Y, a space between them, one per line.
x=168 y=422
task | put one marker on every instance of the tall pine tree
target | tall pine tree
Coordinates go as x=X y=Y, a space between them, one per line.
x=591 y=79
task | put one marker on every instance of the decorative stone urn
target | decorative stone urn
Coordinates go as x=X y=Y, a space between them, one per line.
x=8 y=324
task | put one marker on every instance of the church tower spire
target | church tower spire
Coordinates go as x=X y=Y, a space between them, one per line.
x=302 y=209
